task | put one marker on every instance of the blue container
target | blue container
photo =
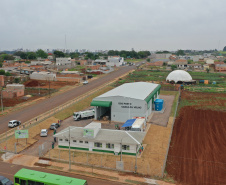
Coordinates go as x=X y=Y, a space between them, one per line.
x=201 y=81
x=159 y=104
x=214 y=82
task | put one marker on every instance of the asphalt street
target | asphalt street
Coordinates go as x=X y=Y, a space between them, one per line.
x=8 y=170
x=35 y=110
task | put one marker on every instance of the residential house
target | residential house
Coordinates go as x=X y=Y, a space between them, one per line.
x=13 y=90
x=220 y=67
x=209 y=61
x=159 y=63
x=63 y=61
x=181 y=64
x=195 y=66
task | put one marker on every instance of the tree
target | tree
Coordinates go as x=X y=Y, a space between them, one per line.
x=41 y=53
x=58 y=54
x=148 y=60
x=8 y=74
x=225 y=61
x=6 y=57
x=224 y=48
x=180 y=52
x=2 y=72
x=190 y=61
x=31 y=55
x=173 y=67
x=22 y=54
x=74 y=55
x=17 y=80
x=207 y=70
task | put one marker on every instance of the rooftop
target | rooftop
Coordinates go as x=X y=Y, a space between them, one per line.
x=104 y=135
x=136 y=90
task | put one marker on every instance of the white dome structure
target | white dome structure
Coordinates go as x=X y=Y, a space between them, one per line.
x=179 y=76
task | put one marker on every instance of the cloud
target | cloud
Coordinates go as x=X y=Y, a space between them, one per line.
x=118 y=24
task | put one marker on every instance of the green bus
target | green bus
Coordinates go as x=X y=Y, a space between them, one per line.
x=32 y=177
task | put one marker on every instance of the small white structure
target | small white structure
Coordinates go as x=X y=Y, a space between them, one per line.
x=63 y=61
x=179 y=76
x=43 y=76
x=115 y=61
x=93 y=138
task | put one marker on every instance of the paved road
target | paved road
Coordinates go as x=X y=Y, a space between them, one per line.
x=33 y=111
x=8 y=170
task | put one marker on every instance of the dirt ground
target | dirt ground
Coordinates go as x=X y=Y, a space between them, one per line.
x=45 y=84
x=197 y=150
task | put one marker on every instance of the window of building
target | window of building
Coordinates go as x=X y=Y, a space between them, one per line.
x=60 y=139
x=98 y=145
x=80 y=141
x=74 y=141
x=125 y=147
x=109 y=145
x=86 y=142
x=66 y=139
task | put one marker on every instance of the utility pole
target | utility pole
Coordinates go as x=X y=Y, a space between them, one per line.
x=69 y=139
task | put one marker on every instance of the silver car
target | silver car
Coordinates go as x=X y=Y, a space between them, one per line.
x=44 y=133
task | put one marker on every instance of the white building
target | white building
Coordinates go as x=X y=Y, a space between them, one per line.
x=93 y=138
x=179 y=76
x=127 y=101
x=63 y=61
x=43 y=76
x=115 y=61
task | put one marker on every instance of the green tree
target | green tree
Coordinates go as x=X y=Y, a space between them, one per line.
x=224 y=48
x=74 y=55
x=31 y=55
x=190 y=61
x=8 y=74
x=148 y=60
x=173 y=67
x=207 y=70
x=41 y=53
x=180 y=52
x=22 y=54
x=17 y=80
x=58 y=54
x=2 y=72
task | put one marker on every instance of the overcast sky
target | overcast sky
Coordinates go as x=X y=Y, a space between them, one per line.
x=113 y=24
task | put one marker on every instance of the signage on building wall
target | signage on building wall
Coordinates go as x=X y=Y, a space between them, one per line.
x=88 y=132
x=21 y=134
x=129 y=105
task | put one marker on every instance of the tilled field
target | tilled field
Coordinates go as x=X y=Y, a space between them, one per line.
x=198 y=147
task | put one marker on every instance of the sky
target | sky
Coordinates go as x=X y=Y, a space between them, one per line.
x=119 y=25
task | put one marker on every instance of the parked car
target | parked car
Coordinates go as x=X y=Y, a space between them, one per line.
x=14 y=123
x=54 y=125
x=85 y=82
x=44 y=133
x=5 y=181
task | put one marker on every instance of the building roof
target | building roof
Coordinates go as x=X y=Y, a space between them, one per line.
x=179 y=75
x=136 y=90
x=104 y=135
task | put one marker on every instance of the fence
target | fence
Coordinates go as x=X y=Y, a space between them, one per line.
x=100 y=160
x=174 y=117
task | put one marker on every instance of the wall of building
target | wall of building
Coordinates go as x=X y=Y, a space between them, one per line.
x=91 y=147
x=2 y=80
x=68 y=79
x=12 y=93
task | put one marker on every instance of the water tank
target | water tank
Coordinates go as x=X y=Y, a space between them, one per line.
x=159 y=104
x=201 y=81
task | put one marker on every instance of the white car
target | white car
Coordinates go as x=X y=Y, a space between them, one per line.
x=44 y=133
x=14 y=123
x=85 y=82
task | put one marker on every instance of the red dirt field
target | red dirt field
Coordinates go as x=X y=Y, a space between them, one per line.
x=197 y=154
x=45 y=84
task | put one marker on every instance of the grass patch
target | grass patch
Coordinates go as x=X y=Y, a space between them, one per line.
x=80 y=105
x=134 y=182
